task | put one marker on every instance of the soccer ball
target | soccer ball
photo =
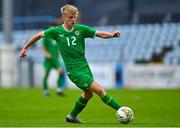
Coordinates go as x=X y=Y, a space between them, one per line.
x=125 y=115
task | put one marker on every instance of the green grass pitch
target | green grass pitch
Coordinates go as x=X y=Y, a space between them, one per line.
x=28 y=107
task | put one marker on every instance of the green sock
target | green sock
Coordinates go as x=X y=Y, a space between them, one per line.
x=79 y=106
x=110 y=101
x=60 y=81
x=45 y=85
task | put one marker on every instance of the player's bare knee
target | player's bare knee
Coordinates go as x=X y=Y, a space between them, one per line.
x=101 y=92
x=88 y=96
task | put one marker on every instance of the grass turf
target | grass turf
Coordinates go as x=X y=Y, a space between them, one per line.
x=28 y=107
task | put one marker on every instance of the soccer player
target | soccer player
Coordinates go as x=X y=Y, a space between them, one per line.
x=71 y=41
x=51 y=60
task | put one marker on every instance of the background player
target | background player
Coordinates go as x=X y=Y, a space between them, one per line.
x=51 y=60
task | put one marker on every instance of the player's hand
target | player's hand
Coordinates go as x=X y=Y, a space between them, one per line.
x=23 y=53
x=116 y=34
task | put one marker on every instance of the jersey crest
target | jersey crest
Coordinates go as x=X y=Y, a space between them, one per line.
x=77 y=33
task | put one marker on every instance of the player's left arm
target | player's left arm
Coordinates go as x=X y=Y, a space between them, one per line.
x=107 y=35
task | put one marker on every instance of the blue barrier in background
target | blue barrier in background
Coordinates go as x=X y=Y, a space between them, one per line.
x=119 y=76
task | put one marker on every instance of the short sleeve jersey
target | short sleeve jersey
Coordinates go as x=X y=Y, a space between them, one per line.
x=71 y=44
x=51 y=46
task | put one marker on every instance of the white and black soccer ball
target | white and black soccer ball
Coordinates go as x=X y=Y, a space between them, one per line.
x=125 y=115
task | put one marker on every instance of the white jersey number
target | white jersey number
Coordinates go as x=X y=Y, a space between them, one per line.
x=71 y=40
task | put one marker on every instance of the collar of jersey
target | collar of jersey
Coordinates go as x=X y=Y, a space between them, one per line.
x=68 y=30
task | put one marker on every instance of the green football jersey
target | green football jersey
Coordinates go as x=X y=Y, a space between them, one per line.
x=51 y=46
x=71 y=44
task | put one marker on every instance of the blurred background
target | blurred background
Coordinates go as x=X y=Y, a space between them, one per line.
x=146 y=56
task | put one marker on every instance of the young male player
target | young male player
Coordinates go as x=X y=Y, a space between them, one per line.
x=51 y=60
x=71 y=41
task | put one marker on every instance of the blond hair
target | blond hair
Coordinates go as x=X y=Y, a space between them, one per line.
x=69 y=10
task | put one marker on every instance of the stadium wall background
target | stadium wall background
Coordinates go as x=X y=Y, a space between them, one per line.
x=115 y=76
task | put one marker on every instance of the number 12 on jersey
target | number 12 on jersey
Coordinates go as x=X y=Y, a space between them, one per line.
x=71 y=40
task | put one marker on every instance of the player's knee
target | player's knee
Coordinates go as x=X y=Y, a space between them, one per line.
x=101 y=92
x=88 y=95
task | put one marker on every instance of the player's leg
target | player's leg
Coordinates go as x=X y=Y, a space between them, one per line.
x=45 y=83
x=60 y=82
x=84 y=81
x=47 y=67
x=80 y=104
x=107 y=99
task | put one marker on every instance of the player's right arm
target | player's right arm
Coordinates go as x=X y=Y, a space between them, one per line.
x=107 y=35
x=30 y=42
